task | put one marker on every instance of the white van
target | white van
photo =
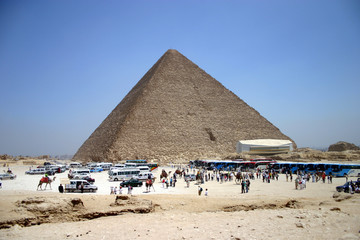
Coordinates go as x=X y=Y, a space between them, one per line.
x=74 y=186
x=143 y=176
x=80 y=172
x=75 y=165
x=123 y=174
x=105 y=166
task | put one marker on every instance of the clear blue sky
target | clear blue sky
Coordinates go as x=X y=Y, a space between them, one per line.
x=65 y=65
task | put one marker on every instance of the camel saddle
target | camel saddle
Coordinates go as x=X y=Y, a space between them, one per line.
x=44 y=179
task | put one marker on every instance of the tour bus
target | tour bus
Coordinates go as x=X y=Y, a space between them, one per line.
x=123 y=174
x=119 y=165
x=131 y=165
x=335 y=169
x=137 y=161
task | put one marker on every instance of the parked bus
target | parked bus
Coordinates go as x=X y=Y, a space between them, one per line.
x=123 y=174
x=335 y=169
x=137 y=161
x=141 y=162
x=232 y=165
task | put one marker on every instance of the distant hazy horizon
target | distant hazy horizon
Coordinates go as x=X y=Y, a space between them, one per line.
x=65 y=65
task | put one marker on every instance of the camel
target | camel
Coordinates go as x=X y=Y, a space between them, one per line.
x=199 y=177
x=163 y=174
x=238 y=177
x=149 y=184
x=178 y=172
x=45 y=180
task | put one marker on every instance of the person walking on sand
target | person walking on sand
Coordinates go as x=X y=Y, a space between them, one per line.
x=243 y=186
x=247 y=185
x=200 y=190
x=61 y=188
x=296 y=183
x=206 y=192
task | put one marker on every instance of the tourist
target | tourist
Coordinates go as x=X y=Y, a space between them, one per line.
x=61 y=188
x=120 y=190
x=247 y=185
x=200 y=190
x=206 y=192
x=111 y=190
x=115 y=190
x=243 y=186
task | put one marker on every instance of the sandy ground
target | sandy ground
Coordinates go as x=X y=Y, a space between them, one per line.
x=270 y=210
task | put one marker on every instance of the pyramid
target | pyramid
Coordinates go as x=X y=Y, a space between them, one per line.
x=176 y=112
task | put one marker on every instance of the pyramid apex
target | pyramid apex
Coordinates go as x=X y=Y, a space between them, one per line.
x=172 y=51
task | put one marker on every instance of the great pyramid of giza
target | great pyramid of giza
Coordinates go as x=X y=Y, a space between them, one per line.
x=176 y=112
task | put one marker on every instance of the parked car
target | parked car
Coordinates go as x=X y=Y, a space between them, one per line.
x=96 y=169
x=89 y=179
x=345 y=187
x=190 y=177
x=132 y=182
x=40 y=171
x=75 y=186
x=4 y=176
x=84 y=177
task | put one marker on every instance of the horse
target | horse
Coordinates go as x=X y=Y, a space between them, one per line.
x=45 y=180
x=149 y=184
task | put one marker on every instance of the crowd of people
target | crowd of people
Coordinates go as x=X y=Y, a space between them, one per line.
x=244 y=178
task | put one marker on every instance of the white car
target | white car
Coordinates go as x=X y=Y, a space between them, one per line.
x=4 y=176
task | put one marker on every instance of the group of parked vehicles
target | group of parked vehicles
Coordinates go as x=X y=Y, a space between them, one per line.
x=132 y=173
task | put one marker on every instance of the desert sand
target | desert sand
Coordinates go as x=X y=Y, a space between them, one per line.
x=273 y=210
